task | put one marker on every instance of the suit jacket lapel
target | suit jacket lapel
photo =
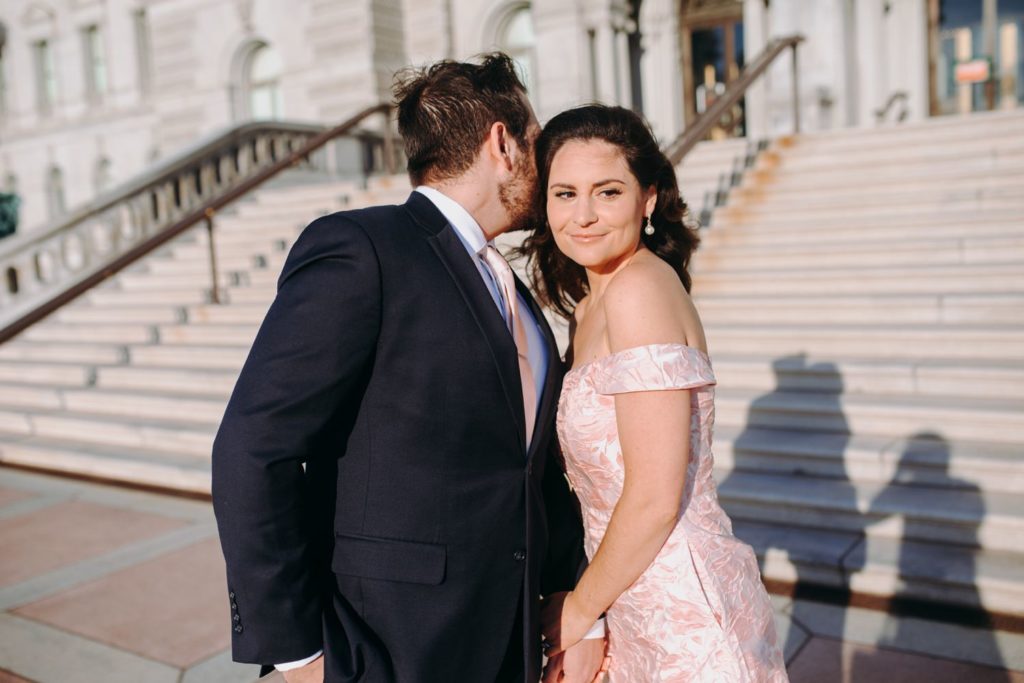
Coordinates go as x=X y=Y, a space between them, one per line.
x=552 y=378
x=467 y=279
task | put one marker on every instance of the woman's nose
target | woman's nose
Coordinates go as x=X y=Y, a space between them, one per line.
x=585 y=214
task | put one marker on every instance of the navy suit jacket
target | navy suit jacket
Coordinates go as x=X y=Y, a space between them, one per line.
x=371 y=481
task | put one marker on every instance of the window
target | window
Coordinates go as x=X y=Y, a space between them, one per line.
x=517 y=39
x=95 y=63
x=264 y=91
x=143 y=55
x=46 y=77
x=55 y=205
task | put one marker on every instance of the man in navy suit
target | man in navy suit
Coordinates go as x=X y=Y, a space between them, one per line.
x=385 y=478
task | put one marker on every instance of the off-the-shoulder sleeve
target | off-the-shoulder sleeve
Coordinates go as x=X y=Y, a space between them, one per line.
x=651 y=368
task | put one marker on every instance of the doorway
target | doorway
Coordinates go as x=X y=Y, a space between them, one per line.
x=712 y=57
x=976 y=55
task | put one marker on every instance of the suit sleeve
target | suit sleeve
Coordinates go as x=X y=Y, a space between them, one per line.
x=566 y=559
x=311 y=355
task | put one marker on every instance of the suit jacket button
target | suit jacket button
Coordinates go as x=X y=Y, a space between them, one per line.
x=232 y=596
x=238 y=628
x=519 y=555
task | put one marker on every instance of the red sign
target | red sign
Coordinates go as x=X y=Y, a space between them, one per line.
x=974 y=71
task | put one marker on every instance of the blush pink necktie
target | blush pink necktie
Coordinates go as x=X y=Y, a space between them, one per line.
x=503 y=273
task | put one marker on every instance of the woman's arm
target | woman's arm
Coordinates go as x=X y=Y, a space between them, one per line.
x=642 y=307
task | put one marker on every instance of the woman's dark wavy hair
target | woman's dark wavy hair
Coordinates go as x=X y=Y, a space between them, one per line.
x=560 y=282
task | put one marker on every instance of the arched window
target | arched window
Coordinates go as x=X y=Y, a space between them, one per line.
x=55 y=204
x=261 y=83
x=517 y=39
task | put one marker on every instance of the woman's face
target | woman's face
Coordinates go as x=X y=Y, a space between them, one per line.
x=595 y=204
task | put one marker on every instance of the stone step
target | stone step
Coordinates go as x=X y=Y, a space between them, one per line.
x=235 y=313
x=930 y=133
x=208 y=383
x=46 y=374
x=63 y=352
x=189 y=357
x=200 y=280
x=877 y=310
x=201 y=267
x=144 y=406
x=840 y=231
x=173 y=297
x=259 y=292
x=174 y=439
x=115 y=315
x=955 y=417
x=961 y=279
x=907 y=208
x=120 y=464
x=948 y=251
x=941 y=573
x=918 y=460
x=917 y=145
x=909 y=377
x=956 y=517
x=209 y=334
x=794 y=196
x=30 y=396
x=241 y=252
x=113 y=333
x=869 y=341
x=777 y=177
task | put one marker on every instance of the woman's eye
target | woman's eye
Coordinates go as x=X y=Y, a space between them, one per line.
x=565 y=194
x=610 y=193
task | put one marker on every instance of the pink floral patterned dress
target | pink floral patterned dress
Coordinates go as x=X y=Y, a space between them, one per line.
x=700 y=611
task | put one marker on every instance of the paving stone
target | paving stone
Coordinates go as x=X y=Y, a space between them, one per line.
x=171 y=609
x=69 y=532
x=825 y=660
x=8 y=496
x=48 y=655
x=8 y=677
x=220 y=669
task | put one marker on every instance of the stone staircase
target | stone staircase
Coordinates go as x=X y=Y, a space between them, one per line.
x=863 y=294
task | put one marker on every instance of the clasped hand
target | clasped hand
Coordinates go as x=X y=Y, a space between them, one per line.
x=570 y=658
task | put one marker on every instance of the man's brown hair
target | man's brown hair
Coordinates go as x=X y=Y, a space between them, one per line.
x=446 y=110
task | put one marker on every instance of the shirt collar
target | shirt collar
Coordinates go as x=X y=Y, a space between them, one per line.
x=460 y=219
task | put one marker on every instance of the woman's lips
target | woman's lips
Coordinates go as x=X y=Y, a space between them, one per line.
x=586 y=237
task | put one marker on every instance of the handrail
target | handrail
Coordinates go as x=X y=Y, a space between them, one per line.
x=145 y=213
x=735 y=91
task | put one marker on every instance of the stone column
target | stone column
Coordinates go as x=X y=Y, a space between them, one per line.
x=660 y=68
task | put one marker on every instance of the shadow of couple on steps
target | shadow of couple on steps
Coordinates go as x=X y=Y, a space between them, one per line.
x=859 y=490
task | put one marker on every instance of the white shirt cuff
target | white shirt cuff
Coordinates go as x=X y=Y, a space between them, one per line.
x=288 y=666
x=596 y=631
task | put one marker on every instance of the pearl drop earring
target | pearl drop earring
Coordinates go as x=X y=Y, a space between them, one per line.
x=647 y=226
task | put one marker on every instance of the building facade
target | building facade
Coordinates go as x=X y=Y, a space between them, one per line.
x=92 y=91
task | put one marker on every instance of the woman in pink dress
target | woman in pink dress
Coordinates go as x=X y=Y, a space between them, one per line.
x=682 y=597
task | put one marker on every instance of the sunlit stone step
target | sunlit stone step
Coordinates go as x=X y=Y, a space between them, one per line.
x=961 y=516
x=962 y=418
x=921 y=459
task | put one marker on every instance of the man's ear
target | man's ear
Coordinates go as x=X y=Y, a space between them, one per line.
x=500 y=145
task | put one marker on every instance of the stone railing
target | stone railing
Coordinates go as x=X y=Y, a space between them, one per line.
x=46 y=268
